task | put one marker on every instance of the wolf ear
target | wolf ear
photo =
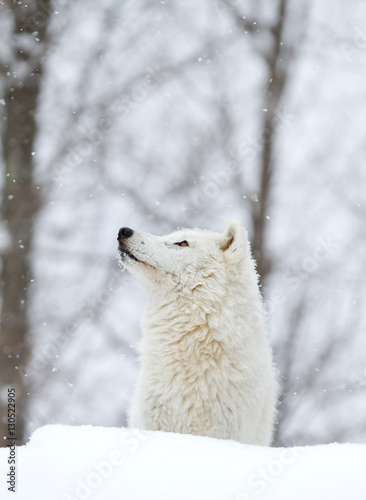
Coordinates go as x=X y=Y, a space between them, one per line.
x=234 y=238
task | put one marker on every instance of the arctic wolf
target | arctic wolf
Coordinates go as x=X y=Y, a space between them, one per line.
x=206 y=364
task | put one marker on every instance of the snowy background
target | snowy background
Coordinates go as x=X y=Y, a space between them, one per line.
x=158 y=115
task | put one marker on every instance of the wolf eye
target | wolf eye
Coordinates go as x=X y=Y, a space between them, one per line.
x=183 y=243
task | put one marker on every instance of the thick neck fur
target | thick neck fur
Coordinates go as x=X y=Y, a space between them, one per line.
x=169 y=317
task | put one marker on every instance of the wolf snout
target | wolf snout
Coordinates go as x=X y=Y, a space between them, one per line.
x=124 y=232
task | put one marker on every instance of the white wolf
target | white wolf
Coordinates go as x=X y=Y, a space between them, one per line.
x=206 y=364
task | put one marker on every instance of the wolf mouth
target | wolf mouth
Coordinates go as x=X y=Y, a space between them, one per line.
x=126 y=253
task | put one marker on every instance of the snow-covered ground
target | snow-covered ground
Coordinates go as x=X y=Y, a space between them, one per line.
x=69 y=463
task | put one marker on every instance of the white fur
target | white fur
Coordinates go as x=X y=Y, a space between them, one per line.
x=206 y=364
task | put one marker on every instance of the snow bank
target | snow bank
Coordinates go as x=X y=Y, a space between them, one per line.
x=78 y=463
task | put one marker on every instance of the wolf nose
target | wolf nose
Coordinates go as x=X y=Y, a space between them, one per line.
x=124 y=232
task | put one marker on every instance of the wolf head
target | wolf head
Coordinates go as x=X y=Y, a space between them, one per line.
x=185 y=260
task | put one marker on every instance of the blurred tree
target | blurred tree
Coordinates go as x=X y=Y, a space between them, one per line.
x=278 y=57
x=21 y=74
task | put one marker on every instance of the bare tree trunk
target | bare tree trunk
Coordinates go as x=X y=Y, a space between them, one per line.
x=278 y=58
x=277 y=72
x=21 y=200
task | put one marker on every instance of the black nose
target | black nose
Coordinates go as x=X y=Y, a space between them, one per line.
x=124 y=232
